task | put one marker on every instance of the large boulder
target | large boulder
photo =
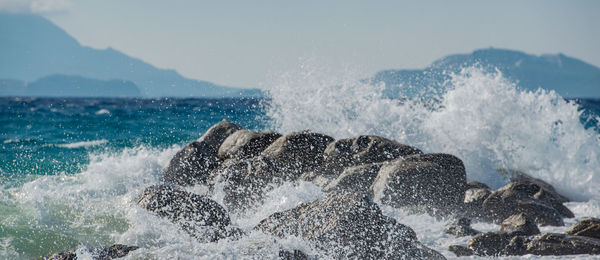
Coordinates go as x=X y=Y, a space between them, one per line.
x=297 y=152
x=198 y=215
x=561 y=244
x=356 y=178
x=363 y=149
x=588 y=228
x=431 y=180
x=244 y=144
x=490 y=243
x=517 y=197
x=245 y=182
x=519 y=224
x=193 y=163
x=348 y=225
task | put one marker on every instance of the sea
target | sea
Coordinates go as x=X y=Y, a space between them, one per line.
x=72 y=169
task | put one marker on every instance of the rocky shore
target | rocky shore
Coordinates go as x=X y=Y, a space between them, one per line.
x=357 y=175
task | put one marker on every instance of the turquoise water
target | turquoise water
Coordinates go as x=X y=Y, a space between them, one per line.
x=71 y=169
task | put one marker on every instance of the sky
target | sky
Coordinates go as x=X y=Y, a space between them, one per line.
x=240 y=43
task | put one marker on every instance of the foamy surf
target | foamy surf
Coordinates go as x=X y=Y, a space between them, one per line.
x=83 y=144
x=484 y=119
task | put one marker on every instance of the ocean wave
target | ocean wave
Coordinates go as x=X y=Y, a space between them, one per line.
x=483 y=118
x=84 y=144
x=102 y=112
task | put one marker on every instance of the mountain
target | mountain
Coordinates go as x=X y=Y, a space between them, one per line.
x=568 y=76
x=31 y=47
x=69 y=86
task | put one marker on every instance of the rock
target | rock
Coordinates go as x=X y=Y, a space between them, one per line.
x=517 y=198
x=216 y=134
x=295 y=255
x=364 y=149
x=243 y=144
x=460 y=228
x=420 y=181
x=545 y=192
x=587 y=228
x=477 y=185
x=200 y=216
x=459 y=250
x=297 y=153
x=490 y=243
x=245 y=182
x=193 y=163
x=356 y=178
x=100 y=253
x=519 y=224
x=111 y=252
x=561 y=244
x=348 y=225
x=473 y=202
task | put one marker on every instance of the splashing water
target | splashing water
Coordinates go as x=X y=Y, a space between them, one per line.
x=481 y=117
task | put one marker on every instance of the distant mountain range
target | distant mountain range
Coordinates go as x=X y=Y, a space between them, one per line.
x=32 y=48
x=568 y=76
x=69 y=86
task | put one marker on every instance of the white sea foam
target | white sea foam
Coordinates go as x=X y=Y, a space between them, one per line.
x=102 y=112
x=482 y=118
x=83 y=144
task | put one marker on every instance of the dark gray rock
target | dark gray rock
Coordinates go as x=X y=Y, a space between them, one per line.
x=295 y=255
x=460 y=228
x=459 y=250
x=473 y=202
x=490 y=243
x=356 y=178
x=217 y=133
x=297 y=153
x=348 y=225
x=200 y=216
x=477 y=185
x=519 y=224
x=193 y=163
x=363 y=149
x=545 y=192
x=100 y=253
x=561 y=244
x=587 y=228
x=517 y=198
x=421 y=181
x=243 y=144
x=245 y=182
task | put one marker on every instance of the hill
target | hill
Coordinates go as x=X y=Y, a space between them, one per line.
x=31 y=47
x=568 y=76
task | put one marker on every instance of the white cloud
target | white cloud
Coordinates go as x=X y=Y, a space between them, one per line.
x=34 y=6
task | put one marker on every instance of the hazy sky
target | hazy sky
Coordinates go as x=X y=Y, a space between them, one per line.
x=238 y=43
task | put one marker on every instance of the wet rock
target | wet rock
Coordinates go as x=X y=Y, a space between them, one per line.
x=348 y=225
x=561 y=244
x=363 y=149
x=243 y=144
x=297 y=153
x=587 y=228
x=477 y=185
x=191 y=165
x=200 y=216
x=490 y=243
x=217 y=133
x=519 y=224
x=517 y=198
x=295 y=255
x=460 y=228
x=545 y=192
x=473 y=201
x=245 y=182
x=357 y=178
x=459 y=250
x=100 y=253
x=421 y=181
